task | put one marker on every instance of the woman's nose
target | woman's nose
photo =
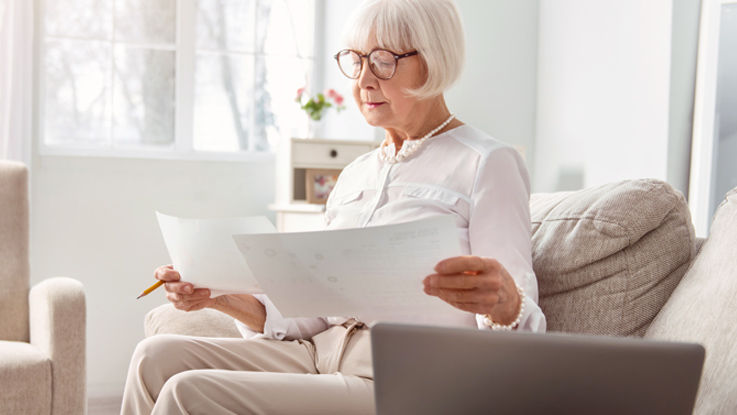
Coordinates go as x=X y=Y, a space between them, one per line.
x=366 y=79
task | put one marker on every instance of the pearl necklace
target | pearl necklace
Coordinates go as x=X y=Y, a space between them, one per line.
x=388 y=152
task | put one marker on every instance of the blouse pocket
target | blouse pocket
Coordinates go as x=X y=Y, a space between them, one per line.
x=434 y=199
x=344 y=203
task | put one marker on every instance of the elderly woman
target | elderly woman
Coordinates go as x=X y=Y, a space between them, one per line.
x=401 y=56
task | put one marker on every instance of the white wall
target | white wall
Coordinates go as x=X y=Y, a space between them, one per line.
x=603 y=90
x=497 y=91
x=93 y=220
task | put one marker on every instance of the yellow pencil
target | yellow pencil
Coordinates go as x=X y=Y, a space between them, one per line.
x=148 y=290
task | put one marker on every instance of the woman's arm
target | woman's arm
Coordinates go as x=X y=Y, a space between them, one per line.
x=477 y=285
x=255 y=315
x=499 y=237
x=278 y=327
x=244 y=308
x=184 y=296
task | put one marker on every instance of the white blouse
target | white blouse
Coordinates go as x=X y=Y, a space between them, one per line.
x=463 y=172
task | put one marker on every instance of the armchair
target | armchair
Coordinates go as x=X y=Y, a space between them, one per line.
x=42 y=329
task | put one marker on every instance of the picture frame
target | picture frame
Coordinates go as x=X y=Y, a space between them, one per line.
x=319 y=183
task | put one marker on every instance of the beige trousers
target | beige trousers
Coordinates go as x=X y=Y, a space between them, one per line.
x=329 y=374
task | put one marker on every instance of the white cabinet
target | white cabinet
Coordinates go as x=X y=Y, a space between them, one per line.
x=294 y=162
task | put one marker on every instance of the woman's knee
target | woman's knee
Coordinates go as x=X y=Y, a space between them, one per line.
x=156 y=347
x=181 y=384
x=180 y=392
x=156 y=359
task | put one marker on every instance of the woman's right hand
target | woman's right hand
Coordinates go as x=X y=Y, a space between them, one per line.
x=184 y=296
x=181 y=294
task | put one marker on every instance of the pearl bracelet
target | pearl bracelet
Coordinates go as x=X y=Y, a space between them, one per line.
x=488 y=322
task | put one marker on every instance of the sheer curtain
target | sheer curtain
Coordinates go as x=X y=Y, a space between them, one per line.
x=16 y=79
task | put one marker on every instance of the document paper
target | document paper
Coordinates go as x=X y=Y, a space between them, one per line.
x=370 y=273
x=203 y=252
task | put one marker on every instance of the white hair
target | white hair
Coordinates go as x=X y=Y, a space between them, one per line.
x=432 y=27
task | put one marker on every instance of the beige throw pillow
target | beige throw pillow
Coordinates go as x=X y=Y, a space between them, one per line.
x=607 y=258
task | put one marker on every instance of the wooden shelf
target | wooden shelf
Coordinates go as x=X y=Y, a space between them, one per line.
x=295 y=159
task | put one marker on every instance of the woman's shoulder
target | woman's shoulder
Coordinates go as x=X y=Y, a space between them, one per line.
x=495 y=158
x=478 y=141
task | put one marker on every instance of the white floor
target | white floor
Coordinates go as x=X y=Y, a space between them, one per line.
x=104 y=406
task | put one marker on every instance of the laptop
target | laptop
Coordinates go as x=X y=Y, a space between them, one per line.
x=434 y=370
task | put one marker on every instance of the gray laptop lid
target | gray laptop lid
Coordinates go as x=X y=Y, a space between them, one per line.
x=432 y=370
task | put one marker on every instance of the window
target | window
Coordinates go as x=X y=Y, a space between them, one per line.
x=172 y=76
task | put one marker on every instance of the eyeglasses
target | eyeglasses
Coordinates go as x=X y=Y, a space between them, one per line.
x=382 y=62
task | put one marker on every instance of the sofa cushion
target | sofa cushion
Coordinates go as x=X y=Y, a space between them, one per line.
x=25 y=379
x=165 y=319
x=607 y=258
x=702 y=309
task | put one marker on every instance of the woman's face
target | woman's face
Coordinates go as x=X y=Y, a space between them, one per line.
x=384 y=103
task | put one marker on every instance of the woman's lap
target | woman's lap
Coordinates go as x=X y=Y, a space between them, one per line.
x=188 y=353
x=255 y=375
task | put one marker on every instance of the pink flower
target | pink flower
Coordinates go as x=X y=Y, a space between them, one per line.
x=316 y=106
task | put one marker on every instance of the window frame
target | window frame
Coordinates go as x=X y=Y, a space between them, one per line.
x=702 y=174
x=182 y=147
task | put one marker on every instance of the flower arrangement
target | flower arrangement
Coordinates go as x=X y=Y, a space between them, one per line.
x=314 y=106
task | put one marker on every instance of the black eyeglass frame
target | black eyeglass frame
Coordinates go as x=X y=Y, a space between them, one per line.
x=397 y=57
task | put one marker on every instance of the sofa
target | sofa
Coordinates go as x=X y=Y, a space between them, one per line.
x=619 y=260
x=42 y=328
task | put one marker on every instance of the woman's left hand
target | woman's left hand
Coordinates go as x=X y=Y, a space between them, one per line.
x=477 y=285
